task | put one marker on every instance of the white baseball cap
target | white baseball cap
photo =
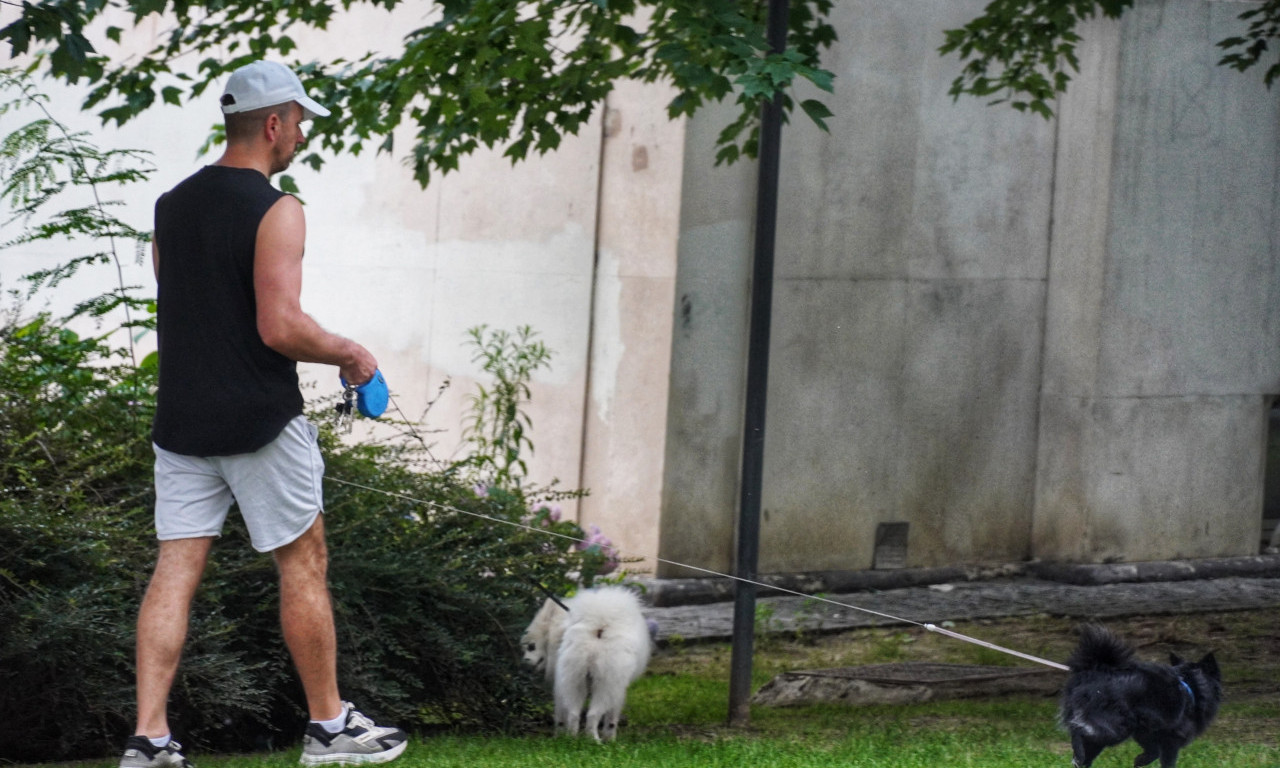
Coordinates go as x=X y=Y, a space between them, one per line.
x=265 y=84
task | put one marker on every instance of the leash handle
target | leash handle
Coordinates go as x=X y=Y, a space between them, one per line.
x=371 y=396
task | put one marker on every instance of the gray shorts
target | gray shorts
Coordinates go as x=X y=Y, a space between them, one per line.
x=277 y=488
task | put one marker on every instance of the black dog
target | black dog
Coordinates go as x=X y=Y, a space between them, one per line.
x=1110 y=697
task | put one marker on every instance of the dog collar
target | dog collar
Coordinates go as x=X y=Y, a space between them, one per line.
x=1187 y=688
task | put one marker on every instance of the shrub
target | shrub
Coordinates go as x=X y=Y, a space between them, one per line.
x=430 y=601
x=74 y=505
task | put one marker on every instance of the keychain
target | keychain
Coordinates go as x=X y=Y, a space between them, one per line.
x=345 y=410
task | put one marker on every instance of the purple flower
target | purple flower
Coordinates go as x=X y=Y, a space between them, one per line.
x=546 y=513
x=596 y=543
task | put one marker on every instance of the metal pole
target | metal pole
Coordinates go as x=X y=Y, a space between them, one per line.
x=748 y=535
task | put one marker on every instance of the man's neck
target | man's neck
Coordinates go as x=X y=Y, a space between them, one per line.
x=236 y=156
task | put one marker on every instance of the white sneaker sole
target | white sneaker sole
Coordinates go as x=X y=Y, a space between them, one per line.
x=354 y=758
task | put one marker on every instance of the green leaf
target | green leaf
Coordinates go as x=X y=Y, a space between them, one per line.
x=820 y=77
x=507 y=76
x=727 y=155
x=817 y=112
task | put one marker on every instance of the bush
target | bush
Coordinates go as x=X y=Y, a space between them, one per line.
x=430 y=601
x=74 y=504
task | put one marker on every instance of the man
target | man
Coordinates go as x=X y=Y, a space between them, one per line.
x=228 y=260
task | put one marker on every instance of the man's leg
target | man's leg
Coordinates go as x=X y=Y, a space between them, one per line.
x=162 y=627
x=275 y=505
x=306 y=618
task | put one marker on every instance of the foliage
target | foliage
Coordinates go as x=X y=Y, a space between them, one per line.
x=1022 y=48
x=44 y=166
x=498 y=430
x=482 y=72
x=74 y=498
x=431 y=588
x=1264 y=26
x=74 y=413
x=1024 y=51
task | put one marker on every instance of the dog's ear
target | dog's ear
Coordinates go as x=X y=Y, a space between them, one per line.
x=1209 y=664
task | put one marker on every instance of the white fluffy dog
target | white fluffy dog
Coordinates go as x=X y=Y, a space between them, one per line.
x=593 y=650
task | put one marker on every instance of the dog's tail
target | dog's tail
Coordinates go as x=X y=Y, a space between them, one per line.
x=1099 y=649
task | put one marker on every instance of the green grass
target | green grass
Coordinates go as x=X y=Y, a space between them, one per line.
x=677 y=711
x=1010 y=734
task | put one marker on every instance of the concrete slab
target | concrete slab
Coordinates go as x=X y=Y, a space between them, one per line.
x=903 y=683
x=1255 y=585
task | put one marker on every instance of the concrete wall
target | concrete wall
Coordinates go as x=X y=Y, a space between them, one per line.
x=1163 y=318
x=708 y=348
x=905 y=356
x=1023 y=338
x=624 y=424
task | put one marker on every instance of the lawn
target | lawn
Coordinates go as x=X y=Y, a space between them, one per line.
x=676 y=713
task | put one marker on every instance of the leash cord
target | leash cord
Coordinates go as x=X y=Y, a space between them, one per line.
x=709 y=572
x=550 y=595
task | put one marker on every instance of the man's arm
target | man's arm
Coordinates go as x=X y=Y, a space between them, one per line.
x=277 y=280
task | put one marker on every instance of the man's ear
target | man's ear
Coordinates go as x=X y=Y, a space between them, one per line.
x=271 y=127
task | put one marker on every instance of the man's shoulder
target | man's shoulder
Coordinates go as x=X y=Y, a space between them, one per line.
x=227 y=175
x=224 y=183
x=190 y=185
x=284 y=218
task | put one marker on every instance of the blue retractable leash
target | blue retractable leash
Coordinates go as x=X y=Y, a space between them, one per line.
x=370 y=399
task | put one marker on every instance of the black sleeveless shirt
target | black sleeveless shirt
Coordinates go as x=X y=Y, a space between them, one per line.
x=222 y=391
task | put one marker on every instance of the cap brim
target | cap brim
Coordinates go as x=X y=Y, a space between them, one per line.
x=310 y=108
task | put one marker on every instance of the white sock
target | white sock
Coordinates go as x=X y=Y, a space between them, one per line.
x=336 y=724
x=161 y=742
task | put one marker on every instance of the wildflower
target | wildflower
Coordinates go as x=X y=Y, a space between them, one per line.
x=599 y=545
x=546 y=513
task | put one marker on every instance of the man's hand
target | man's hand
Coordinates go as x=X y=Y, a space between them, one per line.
x=361 y=368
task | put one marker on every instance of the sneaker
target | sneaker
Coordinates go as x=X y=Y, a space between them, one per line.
x=361 y=741
x=139 y=752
